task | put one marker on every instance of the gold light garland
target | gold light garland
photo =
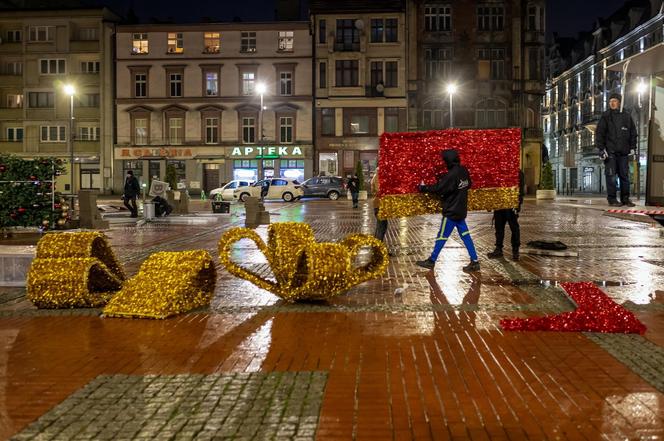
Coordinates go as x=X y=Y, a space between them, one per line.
x=167 y=283
x=304 y=269
x=416 y=204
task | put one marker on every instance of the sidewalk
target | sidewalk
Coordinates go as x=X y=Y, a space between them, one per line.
x=430 y=363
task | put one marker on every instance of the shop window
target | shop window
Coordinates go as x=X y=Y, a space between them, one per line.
x=180 y=169
x=328 y=164
x=135 y=166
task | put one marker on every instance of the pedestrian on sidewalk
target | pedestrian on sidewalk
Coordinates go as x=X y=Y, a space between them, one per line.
x=616 y=140
x=508 y=216
x=452 y=188
x=131 y=191
x=381 y=224
x=354 y=188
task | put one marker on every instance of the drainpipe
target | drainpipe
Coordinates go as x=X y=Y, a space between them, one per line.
x=314 y=153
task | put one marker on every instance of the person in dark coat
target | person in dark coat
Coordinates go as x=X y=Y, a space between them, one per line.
x=508 y=216
x=131 y=191
x=354 y=188
x=452 y=188
x=616 y=140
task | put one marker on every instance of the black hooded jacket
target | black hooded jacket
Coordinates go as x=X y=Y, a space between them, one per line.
x=616 y=133
x=452 y=187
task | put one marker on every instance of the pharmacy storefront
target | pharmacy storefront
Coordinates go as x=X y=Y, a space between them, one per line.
x=198 y=168
x=261 y=162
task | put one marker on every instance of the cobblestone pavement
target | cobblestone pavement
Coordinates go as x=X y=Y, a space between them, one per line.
x=429 y=363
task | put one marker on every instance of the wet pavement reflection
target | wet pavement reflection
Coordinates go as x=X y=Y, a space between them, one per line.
x=414 y=354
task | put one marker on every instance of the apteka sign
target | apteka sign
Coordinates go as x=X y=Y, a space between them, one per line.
x=267 y=151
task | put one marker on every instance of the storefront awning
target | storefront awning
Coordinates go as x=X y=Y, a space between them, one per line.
x=648 y=62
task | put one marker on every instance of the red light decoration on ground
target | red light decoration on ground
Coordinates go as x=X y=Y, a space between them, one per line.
x=596 y=312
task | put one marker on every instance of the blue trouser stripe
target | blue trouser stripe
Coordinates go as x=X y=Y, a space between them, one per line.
x=446 y=228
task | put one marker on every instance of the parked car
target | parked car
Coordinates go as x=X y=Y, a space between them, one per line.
x=331 y=187
x=227 y=190
x=272 y=188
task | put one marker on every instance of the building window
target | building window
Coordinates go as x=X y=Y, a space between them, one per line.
x=175 y=43
x=140 y=85
x=285 y=83
x=14 y=36
x=212 y=42
x=248 y=42
x=175 y=84
x=13 y=68
x=384 y=30
x=286 y=41
x=87 y=34
x=88 y=100
x=534 y=64
x=14 y=134
x=140 y=131
x=347 y=73
x=437 y=63
x=41 y=100
x=211 y=130
x=490 y=18
x=376 y=73
x=432 y=118
x=90 y=67
x=53 y=134
x=437 y=18
x=175 y=130
x=248 y=129
x=211 y=83
x=491 y=113
x=322 y=75
x=88 y=133
x=385 y=73
x=359 y=124
x=41 y=33
x=391 y=119
x=15 y=101
x=52 y=67
x=286 y=129
x=139 y=44
x=248 y=83
x=391 y=74
x=322 y=31
x=348 y=36
x=494 y=60
x=328 y=122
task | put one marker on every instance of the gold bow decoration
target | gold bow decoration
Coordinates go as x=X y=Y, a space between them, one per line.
x=73 y=270
x=167 y=283
x=80 y=270
x=304 y=269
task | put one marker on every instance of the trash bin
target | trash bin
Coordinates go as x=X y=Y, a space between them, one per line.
x=148 y=210
x=221 y=207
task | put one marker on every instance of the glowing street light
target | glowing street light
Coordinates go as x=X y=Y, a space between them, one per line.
x=451 y=90
x=70 y=90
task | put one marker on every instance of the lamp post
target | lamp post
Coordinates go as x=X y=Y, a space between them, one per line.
x=451 y=90
x=641 y=88
x=70 y=90
x=260 y=89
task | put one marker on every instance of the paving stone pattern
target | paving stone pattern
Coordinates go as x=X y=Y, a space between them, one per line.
x=241 y=406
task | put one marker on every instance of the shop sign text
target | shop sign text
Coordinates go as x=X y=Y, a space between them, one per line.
x=165 y=152
x=267 y=151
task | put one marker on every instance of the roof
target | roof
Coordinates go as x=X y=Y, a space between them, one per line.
x=341 y=6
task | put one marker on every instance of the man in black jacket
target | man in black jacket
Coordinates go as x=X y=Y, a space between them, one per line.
x=616 y=140
x=131 y=190
x=452 y=188
x=508 y=216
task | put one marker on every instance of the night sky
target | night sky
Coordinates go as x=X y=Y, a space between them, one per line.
x=566 y=17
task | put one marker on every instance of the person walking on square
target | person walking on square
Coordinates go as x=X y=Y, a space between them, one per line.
x=508 y=216
x=354 y=188
x=616 y=140
x=131 y=191
x=452 y=188
x=381 y=224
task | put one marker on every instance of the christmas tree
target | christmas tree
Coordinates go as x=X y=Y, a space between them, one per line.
x=27 y=192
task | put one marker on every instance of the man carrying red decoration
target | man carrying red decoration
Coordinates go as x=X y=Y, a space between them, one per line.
x=452 y=188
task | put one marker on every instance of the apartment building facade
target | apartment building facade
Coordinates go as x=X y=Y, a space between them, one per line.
x=190 y=96
x=40 y=52
x=493 y=53
x=360 y=82
x=578 y=90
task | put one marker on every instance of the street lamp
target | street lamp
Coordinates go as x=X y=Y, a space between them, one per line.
x=451 y=90
x=70 y=90
x=260 y=89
